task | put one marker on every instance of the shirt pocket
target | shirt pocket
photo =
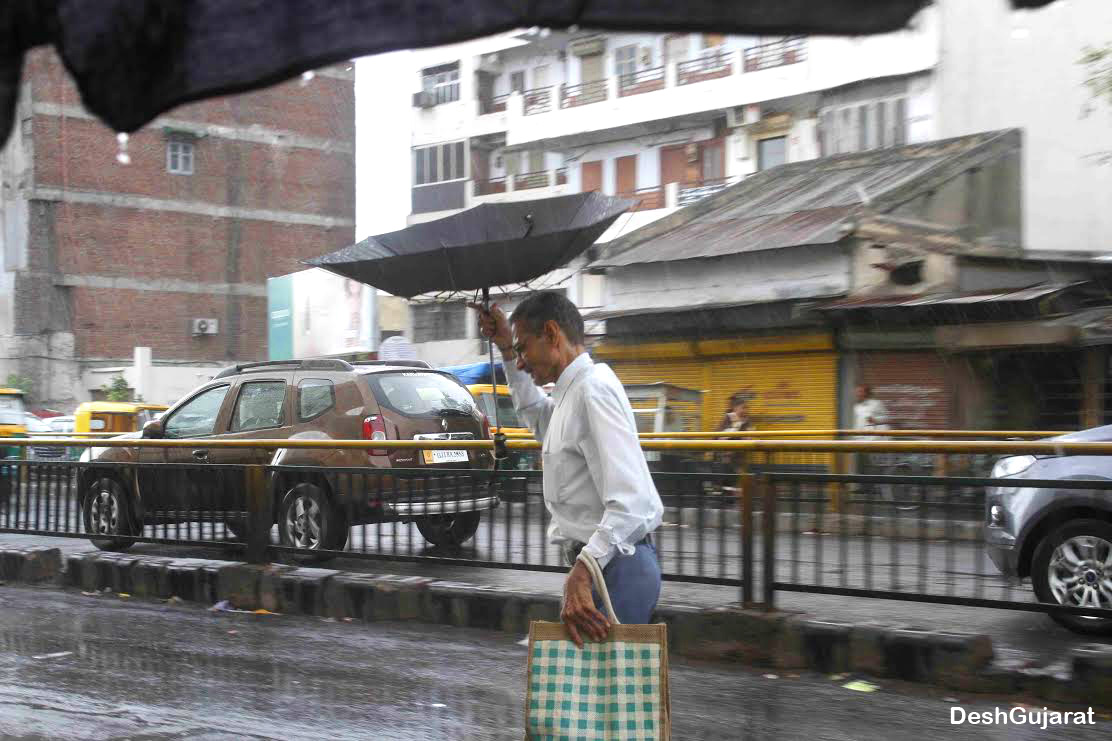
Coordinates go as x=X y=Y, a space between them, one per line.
x=557 y=467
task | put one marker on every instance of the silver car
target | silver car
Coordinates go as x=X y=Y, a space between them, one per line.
x=1061 y=536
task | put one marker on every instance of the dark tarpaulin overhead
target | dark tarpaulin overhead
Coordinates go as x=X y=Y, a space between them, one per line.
x=134 y=59
x=493 y=244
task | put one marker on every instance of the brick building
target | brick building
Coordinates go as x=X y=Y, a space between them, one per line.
x=101 y=256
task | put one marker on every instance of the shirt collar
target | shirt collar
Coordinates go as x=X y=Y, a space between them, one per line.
x=581 y=363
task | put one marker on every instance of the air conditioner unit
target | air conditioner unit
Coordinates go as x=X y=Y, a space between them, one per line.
x=691 y=149
x=204 y=326
x=423 y=99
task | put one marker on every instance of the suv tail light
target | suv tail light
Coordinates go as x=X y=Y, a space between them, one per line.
x=486 y=426
x=374 y=428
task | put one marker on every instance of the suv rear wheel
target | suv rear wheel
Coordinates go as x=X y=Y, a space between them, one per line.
x=449 y=530
x=107 y=511
x=306 y=519
x=1073 y=566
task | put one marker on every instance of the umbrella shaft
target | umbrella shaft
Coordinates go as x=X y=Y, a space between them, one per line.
x=493 y=374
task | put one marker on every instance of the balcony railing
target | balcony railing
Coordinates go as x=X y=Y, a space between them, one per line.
x=490 y=186
x=582 y=94
x=528 y=180
x=708 y=67
x=538 y=100
x=777 y=54
x=495 y=104
x=646 y=199
x=642 y=81
x=696 y=191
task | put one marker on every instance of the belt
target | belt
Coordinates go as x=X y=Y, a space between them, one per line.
x=573 y=547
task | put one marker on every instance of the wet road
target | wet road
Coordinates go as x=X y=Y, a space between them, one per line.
x=76 y=667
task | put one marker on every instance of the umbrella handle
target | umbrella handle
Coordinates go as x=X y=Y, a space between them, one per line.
x=500 y=451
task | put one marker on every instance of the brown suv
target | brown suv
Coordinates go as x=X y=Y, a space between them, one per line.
x=319 y=399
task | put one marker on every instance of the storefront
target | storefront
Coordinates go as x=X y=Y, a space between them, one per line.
x=791 y=380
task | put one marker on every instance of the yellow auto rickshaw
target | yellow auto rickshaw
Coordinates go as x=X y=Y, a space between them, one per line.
x=114 y=416
x=12 y=423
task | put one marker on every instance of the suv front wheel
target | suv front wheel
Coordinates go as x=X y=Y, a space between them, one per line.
x=1073 y=566
x=306 y=519
x=449 y=530
x=107 y=511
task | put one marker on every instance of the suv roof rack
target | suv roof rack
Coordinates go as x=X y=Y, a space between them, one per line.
x=334 y=364
x=401 y=363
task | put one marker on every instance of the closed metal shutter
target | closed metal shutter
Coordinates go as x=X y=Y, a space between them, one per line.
x=790 y=388
x=914 y=387
x=686 y=373
x=789 y=391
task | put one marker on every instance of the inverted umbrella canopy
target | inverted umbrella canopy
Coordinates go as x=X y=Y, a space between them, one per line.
x=493 y=244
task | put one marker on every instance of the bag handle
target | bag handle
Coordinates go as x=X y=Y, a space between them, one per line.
x=600 y=583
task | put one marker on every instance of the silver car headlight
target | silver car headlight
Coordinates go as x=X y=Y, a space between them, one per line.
x=1012 y=465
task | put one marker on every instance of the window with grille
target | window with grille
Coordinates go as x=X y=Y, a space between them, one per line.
x=179 y=157
x=439 y=163
x=863 y=126
x=435 y=322
x=442 y=83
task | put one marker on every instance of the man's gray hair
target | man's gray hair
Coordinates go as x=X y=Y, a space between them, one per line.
x=543 y=306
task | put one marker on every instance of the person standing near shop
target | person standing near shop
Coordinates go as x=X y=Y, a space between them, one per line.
x=597 y=486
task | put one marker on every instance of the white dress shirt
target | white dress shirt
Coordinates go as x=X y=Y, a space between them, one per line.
x=870 y=414
x=597 y=485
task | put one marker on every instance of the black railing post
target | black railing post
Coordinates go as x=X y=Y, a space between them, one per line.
x=259 y=514
x=747 y=486
x=769 y=543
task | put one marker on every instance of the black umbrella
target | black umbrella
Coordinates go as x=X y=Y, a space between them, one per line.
x=493 y=244
x=134 y=59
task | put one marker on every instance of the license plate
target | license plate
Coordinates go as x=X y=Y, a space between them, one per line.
x=444 y=456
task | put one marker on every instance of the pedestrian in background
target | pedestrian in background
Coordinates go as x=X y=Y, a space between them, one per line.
x=869 y=413
x=597 y=485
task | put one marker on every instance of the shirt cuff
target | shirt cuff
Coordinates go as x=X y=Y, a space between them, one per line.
x=604 y=545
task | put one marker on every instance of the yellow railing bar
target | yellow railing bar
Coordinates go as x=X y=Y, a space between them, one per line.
x=829 y=434
x=772 y=446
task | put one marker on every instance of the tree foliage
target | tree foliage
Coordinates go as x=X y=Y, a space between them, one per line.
x=117 y=390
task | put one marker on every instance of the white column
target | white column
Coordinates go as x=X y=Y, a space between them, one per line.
x=671 y=74
x=671 y=194
x=142 y=373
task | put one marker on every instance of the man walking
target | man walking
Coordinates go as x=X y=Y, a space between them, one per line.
x=597 y=485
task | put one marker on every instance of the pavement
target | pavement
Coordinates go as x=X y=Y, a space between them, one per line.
x=79 y=667
x=1028 y=638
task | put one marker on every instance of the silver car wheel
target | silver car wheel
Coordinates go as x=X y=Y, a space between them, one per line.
x=104 y=514
x=303 y=522
x=1080 y=572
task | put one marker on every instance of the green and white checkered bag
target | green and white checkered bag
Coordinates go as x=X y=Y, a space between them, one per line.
x=609 y=691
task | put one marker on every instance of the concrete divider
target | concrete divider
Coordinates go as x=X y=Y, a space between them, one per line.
x=780 y=640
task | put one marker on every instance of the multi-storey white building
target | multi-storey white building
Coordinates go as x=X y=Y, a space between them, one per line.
x=665 y=120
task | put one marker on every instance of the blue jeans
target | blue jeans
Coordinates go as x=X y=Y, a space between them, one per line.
x=633 y=583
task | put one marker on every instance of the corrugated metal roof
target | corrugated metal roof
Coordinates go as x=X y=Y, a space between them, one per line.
x=950 y=299
x=801 y=203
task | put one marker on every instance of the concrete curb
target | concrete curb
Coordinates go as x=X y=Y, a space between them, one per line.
x=780 y=640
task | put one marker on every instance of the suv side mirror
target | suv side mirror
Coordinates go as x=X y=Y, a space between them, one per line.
x=153 y=430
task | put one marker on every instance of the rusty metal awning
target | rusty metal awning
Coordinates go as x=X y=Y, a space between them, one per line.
x=1020 y=295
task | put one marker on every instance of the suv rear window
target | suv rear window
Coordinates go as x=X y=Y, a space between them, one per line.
x=420 y=394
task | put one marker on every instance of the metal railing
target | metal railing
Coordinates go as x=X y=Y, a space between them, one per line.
x=777 y=54
x=490 y=186
x=645 y=198
x=529 y=180
x=693 y=192
x=537 y=101
x=641 y=81
x=914 y=537
x=584 y=93
x=493 y=104
x=706 y=67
